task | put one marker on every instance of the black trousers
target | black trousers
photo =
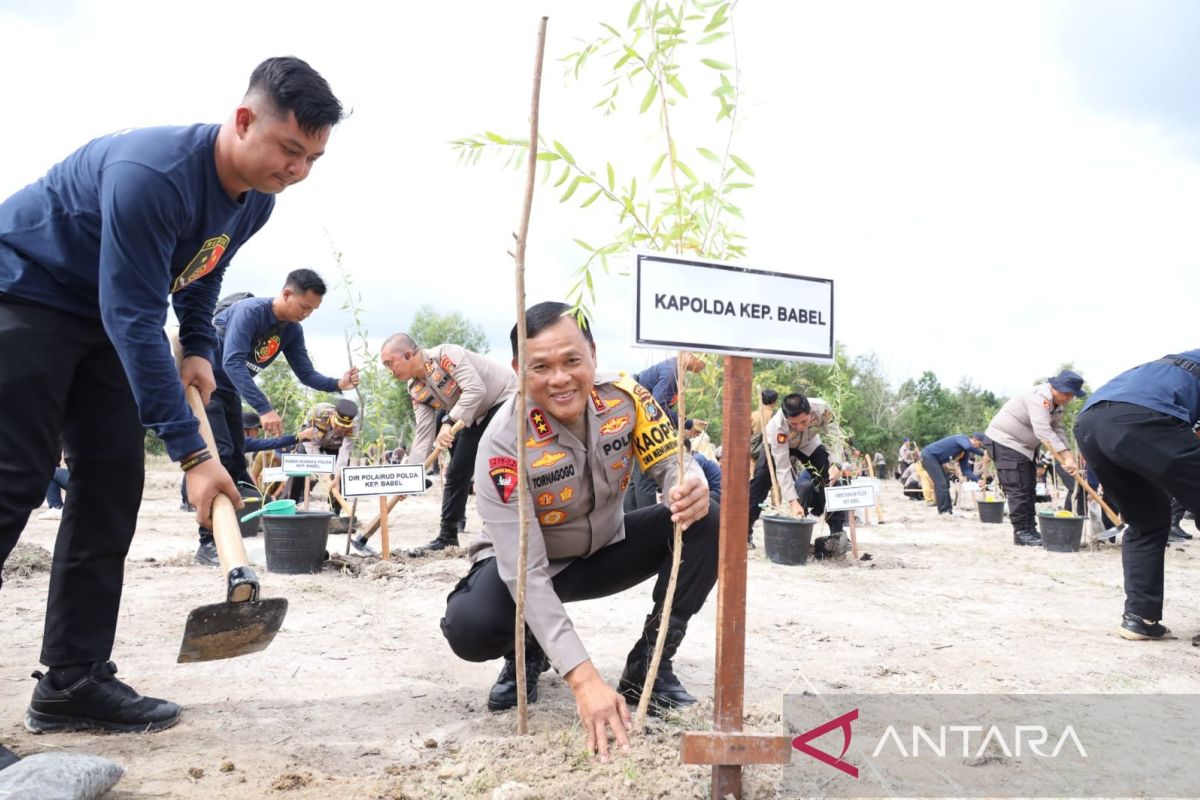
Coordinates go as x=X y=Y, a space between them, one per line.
x=818 y=467
x=1143 y=458
x=460 y=471
x=479 y=611
x=941 y=486
x=1018 y=479
x=63 y=387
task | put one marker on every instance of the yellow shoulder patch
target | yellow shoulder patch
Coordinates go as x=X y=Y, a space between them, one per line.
x=654 y=437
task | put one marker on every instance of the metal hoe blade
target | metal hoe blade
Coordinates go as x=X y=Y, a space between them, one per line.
x=229 y=630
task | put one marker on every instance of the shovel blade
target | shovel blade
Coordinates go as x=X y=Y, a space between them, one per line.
x=229 y=630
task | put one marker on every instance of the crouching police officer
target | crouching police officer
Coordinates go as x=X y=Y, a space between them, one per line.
x=583 y=432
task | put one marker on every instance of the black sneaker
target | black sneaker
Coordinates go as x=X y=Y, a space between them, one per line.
x=361 y=546
x=442 y=541
x=206 y=555
x=97 y=701
x=1027 y=539
x=1178 y=534
x=7 y=757
x=1134 y=628
x=503 y=694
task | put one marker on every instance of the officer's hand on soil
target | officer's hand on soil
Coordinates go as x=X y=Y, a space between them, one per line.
x=797 y=509
x=204 y=482
x=600 y=708
x=196 y=371
x=272 y=423
x=688 y=502
x=349 y=380
x=445 y=437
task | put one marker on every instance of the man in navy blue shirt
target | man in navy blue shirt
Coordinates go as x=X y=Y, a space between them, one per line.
x=1139 y=433
x=662 y=380
x=951 y=450
x=251 y=334
x=92 y=254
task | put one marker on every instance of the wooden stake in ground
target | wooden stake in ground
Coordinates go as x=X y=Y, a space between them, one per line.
x=519 y=262
x=385 y=545
x=307 y=487
x=639 y=721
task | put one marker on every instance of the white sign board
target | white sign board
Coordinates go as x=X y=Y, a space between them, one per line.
x=274 y=475
x=843 y=498
x=686 y=303
x=305 y=462
x=388 y=479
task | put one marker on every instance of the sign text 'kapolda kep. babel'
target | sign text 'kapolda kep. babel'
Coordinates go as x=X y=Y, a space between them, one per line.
x=730 y=308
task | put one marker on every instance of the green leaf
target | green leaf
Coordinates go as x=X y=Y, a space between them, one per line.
x=495 y=137
x=610 y=29
x=657 y=165
x=562 y=151
x=563 y=178
x=633 y=14
x=729 y=186
x=612 y=179
x=712 y=37
x=742 y=165
x=620 y=62
x=584 y=245
x=676 y=84
x=547 y=155
x=709 y=154
x=591 y=199
x=571 y=189
x=648 y=100
x=671 y=31
x=712 y=62
x=685 y=170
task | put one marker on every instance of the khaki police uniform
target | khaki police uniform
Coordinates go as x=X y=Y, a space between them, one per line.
x=467 y=387
x=1016 y=432
x=783 y=444
x=581 y=543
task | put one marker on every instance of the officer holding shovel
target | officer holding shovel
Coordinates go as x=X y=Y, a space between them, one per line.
x=1016 y=431
x=92 y=255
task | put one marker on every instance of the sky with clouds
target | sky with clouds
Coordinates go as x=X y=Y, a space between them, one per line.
x=995 y=188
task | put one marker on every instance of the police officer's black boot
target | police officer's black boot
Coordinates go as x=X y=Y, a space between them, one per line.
x=668 y=692
x=503 y=695
x=1027 y=539
x=447 y=537
x=1177 y=533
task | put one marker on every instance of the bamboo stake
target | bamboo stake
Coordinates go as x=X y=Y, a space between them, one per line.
x=522 y=491
x=386 y=548
x=639 y=722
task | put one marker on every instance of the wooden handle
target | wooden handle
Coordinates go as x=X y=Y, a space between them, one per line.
x=1081 y=480
x=227 y=534
x=437 y=451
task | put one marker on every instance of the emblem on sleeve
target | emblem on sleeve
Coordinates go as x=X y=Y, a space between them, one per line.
x=503 y=472
x=781 y=438
x=202 y=263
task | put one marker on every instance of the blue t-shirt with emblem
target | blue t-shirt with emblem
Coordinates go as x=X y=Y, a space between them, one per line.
x=123 y=227
x=250 y=338
x=1158 y=386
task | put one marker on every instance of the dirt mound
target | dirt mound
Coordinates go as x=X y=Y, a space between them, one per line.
x=27 y=559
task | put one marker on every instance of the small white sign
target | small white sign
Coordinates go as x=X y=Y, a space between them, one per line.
x=843 y=498
x=309 y=462
x=687 y=303
x=388 y=479
x=274 y=475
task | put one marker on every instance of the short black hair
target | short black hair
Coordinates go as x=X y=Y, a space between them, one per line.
x=305 y=280
x=542 y=316
x=769 y=397
x=292 y=85
x=795 y=404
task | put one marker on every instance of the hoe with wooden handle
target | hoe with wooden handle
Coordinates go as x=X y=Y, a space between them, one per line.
x=244 y=623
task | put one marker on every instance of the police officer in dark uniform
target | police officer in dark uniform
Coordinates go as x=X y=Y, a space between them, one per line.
x=1138 y=433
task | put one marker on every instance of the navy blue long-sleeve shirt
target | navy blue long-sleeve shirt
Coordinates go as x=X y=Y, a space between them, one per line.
x=250 y=338
x=952 y=448
x=662 y=380
x=124 y=226
x=1158 y=386
x=255 y=444
x=712 y=475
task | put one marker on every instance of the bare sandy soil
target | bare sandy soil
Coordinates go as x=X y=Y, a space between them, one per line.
x=359 y=696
